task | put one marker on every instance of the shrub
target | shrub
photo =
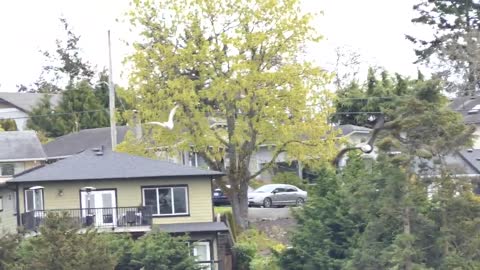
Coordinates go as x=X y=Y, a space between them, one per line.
x=160 y=251
x=8 y=247
x=244 y=254
x=289 y=178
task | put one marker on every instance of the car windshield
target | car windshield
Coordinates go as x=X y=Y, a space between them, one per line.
x=265 y=189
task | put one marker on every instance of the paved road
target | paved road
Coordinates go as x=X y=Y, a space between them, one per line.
x=255 y=214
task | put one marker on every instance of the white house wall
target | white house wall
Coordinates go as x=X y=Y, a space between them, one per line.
x=476 y=139
x=19 y=116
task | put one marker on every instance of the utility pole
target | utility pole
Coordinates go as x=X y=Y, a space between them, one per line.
x=111 y=97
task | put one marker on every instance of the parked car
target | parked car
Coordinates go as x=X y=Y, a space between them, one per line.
x=220 y=198
x=277 y=195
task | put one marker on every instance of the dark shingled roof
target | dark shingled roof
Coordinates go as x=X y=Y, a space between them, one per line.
x=109 y=165
x=74 y=143
x=26 y=101
x=191 y=227
x=20 y=145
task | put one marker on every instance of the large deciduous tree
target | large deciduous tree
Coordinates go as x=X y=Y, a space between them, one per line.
x=238 y=62
x=453 y=50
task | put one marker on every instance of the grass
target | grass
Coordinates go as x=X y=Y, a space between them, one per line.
x=222 y=209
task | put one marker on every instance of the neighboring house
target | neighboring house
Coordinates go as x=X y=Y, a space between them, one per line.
x=469 y=107
x=463 y=164
x=77 y=142
x=353 y=134
x=16 y=106
x=19 y=151
x=117 y=192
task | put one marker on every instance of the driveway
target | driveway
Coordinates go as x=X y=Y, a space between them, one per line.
x=255 y=214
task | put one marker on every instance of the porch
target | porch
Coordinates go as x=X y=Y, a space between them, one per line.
x=121 y=219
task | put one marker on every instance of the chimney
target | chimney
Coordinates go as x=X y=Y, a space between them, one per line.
x=137 y=125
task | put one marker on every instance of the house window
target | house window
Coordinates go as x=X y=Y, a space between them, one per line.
x=33 y=199
x=201 y=251
x=166 y=201
x=7 y=169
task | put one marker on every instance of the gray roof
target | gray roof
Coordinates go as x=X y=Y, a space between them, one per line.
x=77 y=142
x=460 y=163
x=348 y=129
x=20 y=145
x=191 y=227
x=26 y=101
x=110 y=165
x=472 y=157
x=464 y=105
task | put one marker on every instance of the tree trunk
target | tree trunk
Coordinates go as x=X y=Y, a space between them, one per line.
x=239 y=197
x=407 y=231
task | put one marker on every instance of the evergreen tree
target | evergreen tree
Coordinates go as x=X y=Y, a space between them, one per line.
x=403 y=217
x=326 y=227
x=160 y=251
x=42 y=118
x=453 y=50
x=80 y=109
x=60 y=246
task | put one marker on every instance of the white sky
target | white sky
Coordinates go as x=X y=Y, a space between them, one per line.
x=374 y=28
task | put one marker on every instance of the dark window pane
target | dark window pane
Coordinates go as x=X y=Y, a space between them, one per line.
x=8 y=169
x=29 y=197
x=180 y=200
x=150 y=197
x=165 y=200
x=38 y=199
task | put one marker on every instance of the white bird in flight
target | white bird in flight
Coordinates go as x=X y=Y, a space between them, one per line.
x=169 y=123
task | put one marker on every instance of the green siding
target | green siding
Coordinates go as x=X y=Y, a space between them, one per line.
x=129 y=194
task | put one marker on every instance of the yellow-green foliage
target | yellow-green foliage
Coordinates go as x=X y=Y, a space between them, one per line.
x=243 y=71
x=289 y=178
x=255 y=251
x=222 y=210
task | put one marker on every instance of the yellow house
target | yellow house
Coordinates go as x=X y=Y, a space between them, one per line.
x=117 y=192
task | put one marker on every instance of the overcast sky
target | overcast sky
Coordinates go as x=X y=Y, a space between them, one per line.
x=374 y=28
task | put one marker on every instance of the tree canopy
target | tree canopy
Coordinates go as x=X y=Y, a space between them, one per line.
x=453 y=49
x=238 y=63
x=406 y=210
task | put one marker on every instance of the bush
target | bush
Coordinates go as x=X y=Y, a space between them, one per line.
x=244 y=254
x=289 y=178
x=8 y=247
x=121 y=246
x=255 y=251
x=160 y=251
x=60 y=246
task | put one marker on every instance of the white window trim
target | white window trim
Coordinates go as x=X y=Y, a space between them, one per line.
x=205 y=264
x=187 y=208
x=26 y=203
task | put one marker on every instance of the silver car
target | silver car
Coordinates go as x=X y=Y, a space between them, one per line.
x=277 y=195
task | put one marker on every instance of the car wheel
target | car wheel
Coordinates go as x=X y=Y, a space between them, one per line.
x=267 y=203
x=299 y=202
